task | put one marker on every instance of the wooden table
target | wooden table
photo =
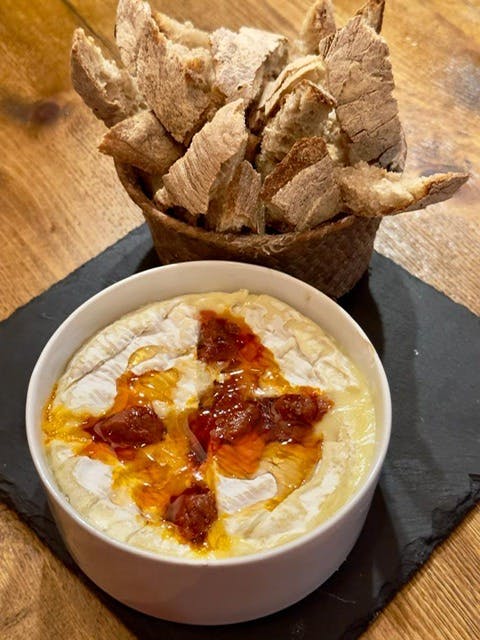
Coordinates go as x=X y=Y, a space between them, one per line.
x=60 y=204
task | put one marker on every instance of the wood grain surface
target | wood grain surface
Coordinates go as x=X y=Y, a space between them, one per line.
x=60 y=204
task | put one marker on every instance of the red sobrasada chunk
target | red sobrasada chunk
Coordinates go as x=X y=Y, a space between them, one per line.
x=224 y=414
x=219 y=339
x=134 y=427
x=291 y=416
x=228 y=416
x=193 y=512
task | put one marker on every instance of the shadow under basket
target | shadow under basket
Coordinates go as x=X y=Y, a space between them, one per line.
x=332 y=257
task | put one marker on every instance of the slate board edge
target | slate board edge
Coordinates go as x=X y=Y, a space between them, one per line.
x=137 y=231
x=415 y=554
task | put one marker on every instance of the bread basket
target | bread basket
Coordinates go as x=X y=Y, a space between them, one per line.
x=332 y=257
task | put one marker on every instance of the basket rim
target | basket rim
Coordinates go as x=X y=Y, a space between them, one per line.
x=128 y=177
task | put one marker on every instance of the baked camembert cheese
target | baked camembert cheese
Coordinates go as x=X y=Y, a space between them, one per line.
x=209 y=426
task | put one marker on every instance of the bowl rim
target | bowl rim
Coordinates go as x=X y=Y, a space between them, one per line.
x=37 y=451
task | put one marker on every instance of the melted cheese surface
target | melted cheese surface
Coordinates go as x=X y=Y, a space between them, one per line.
x=162 y=337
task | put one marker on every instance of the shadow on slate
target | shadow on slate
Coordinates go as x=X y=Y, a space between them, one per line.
x=430 y=349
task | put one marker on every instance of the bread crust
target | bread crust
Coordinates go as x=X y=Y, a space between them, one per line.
x=372 y=12
x=239 y=206
x=370 y=191
x=309 y=67
x=302 y=191
x=175 y=81
x=319 y=22
x=210 y=160
x=303 y=114
x=245 y=60
x=142 y=141
x=361 y=80
x=110 y=92
x=131 y=17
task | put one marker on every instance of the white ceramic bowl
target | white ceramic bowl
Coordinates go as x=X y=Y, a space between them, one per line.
x=213 y=591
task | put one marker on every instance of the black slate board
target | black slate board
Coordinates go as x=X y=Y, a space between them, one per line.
x=430 y=348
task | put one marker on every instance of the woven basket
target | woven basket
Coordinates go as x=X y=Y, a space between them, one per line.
x=332 y=257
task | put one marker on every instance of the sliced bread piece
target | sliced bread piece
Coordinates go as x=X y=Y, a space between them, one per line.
x=303 y=114
x=243 y=61
x=319 y=23
x=306 y=68
x=191 y=179
x=372 y=13
x=301 y=192
x=175 y=81
x=109 y=91
x=360 y=78
x=181 y=32
x=372 y=192
x=142 y=142
x=132 y=15
x=239 y=206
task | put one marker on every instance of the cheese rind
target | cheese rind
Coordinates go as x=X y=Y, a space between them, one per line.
x=162 y=337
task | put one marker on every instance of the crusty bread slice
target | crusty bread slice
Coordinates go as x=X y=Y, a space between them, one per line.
x=220 y=185
x=372 y=13
x=245 y=60
x=238 y=206
x=132 y=15
x=303 y=154
x=302 y=190
x=372 y=192
x=305 y=68
x=107 y=90
x=319 y=22
x=191 y=179
x=175 y=81
x=360 y=78
x=303 y=114
x=143 y=142
x=181 y=32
